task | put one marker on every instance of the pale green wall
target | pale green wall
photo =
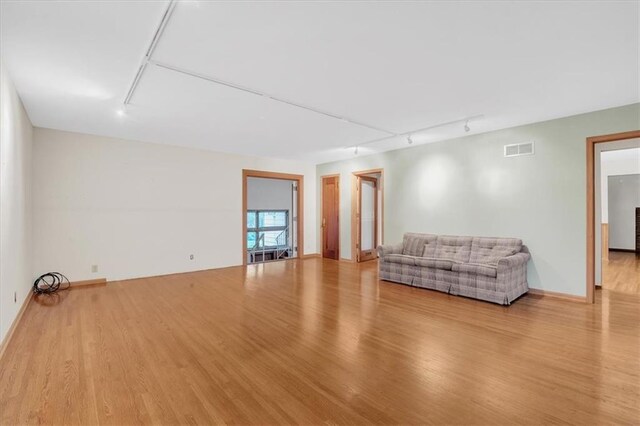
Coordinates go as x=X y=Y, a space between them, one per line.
x=465 y=186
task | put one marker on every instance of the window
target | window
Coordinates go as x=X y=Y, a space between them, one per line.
x=267 y=228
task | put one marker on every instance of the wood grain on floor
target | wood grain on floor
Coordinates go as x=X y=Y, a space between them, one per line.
x=317 y=341
x=621 y=272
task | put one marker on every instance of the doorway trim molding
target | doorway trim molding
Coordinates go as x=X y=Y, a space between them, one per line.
x=247 y=173
x=354 y=206
x=591 y=204
x=322 y=178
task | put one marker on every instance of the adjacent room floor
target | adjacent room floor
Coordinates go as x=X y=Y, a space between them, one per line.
x=317 y=341
x=621 y=272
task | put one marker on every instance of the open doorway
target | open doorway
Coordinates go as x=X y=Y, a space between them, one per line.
x=272 y=216
x=619 y=206
x=367 y=224
x=598 y=230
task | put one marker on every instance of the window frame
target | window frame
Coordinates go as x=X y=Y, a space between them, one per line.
x=258 y=229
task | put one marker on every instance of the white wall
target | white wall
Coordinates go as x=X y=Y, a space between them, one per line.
x=16 y=135
x=140 y=209
x=466 y=187
x=613 y=163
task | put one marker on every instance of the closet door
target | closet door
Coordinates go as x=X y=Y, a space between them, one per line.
x=330 y=219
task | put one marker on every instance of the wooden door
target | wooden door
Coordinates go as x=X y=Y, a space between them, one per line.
x=637 y=229
x=367 y=216
x=330 y=217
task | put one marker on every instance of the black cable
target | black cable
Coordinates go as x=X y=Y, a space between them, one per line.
x=50 y=283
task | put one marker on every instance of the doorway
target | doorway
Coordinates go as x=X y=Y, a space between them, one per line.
x=330 y=217
x=618 y=202
x=272 y=216
x=367 y=214
x=594 y=146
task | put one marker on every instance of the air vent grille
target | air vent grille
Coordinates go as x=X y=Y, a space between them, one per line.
x=517 y=149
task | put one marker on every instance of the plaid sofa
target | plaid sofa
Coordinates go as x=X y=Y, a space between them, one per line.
x=491 y=269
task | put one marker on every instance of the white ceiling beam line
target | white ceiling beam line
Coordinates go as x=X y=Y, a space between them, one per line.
x=269 y=96
x=423 y=129
x=152 y=46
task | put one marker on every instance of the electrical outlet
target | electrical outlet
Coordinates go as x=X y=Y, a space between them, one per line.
x=94 y=268
x=190 y=257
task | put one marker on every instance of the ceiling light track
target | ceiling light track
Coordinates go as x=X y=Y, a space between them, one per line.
x=152 y=47
x=268 y=96
x=163 y=23
x=410 y=134
x=135 y=82
x=148 y=60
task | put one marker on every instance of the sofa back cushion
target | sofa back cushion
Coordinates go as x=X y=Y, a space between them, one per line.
x=413 y=244
x=429 y=250
x=490 y=250
x=456 y=249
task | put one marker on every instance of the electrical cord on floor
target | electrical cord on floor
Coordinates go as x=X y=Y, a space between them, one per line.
x=50 y=282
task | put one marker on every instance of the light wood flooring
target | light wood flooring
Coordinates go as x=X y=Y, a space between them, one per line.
x=317 y=342
x=621 y=272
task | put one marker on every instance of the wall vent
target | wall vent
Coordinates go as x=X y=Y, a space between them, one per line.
x=517 y=149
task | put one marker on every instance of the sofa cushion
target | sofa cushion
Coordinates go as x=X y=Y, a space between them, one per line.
x=401 y=259
x=477 y=269
x=490 y=250
x=430 y=262
x=413 y=244
x=456 y=249
x=429 y=249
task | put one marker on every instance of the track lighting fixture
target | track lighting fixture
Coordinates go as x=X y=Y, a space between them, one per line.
x=409 y=135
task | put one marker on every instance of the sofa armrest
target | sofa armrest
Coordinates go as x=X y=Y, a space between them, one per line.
x=389 y=249
x=514 y=261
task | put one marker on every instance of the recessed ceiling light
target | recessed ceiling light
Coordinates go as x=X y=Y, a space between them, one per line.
x=120 y=112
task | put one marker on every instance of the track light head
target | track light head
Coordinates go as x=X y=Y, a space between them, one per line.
x=355 y=151
x=466 y=126
x=409 y=140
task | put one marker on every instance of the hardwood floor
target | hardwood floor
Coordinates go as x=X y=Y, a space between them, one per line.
x=317 y=341
x=621 y=272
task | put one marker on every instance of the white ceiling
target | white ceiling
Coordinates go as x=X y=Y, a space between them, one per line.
x=394 y=65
